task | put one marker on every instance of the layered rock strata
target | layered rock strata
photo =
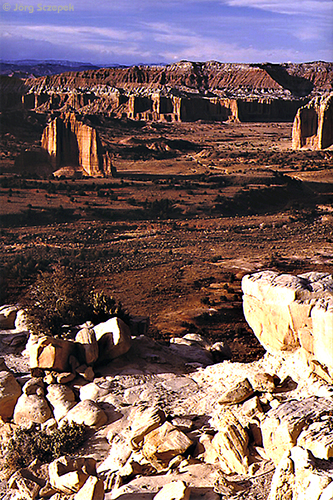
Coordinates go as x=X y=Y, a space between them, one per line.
x=70 y=142
x=184 y=91
x=313 y=124
x=282 y=80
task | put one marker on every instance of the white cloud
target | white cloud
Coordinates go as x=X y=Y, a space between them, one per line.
x=186 y=44
x=61 y=35
x=292 y=7
x=100 y=44
x=140 y=31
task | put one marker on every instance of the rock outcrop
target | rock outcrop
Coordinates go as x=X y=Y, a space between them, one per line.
x=313 y=124
x=165 y=422
x=290 y=313
x=11 y=90
x=184 y=91
x=50 y=353
x=300 y=476
x=70 y=142
x=88 y=413
x=31 y=408
x=60 y=360
x=165 y=105
x=236 y=79
x=68 y=475
x=10 y=391
x=282 y=427
x=113 y=338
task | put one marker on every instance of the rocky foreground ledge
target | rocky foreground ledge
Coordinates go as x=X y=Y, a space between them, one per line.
x=166 y=421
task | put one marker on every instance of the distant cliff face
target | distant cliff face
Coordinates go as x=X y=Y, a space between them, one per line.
x=298 y=79
x=70 y=142
x=184 y=91
x=313 y=124
x=11 y=90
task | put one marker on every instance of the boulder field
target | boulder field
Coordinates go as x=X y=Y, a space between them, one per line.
x=167 y=422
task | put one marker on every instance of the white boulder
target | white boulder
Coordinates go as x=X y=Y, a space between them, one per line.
x=113 y=337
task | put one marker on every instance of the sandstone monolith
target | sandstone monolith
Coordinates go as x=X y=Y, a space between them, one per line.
x=313 y=124
x=70 y=142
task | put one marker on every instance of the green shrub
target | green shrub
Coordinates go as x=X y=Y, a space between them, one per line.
x=33 y=443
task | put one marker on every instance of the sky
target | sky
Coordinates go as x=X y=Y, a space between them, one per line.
x=107 y=32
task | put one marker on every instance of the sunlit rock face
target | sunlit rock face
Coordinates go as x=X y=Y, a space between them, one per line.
x=288 y=313
x=70 y=142
x=313 y=124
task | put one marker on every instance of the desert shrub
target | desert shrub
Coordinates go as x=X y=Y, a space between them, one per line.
x=56 y=298
x=164 y=208
x=62 y=298
x=28 y=444
x=104 y=306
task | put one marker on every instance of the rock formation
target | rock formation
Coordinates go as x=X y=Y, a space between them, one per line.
x=70 y=142
x=11 y=91
x=166 y=106
x=313 y=124
x=184 y=91
x=10 y=391
x=236 y=79
x=165 y=422
x=288 y=313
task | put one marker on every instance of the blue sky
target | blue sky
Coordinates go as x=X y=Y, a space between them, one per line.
x=164 y=31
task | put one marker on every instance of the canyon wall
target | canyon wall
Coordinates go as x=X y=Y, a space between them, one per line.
x=167 y=108
x=313 y=124
x=70 y=142
x=268 y=110
x=181 y=109
x=11 y=90
x=184 y=91
x=297 y=79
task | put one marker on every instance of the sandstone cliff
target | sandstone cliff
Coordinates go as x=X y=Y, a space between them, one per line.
x=290 y=313
x=184 y=91
x=164 y=106
x=70 y=142
x=313 y=124
x=299 y=79
x=11 y=90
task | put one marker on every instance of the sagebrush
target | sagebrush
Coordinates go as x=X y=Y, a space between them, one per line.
x=28 y=444
x=61 y=298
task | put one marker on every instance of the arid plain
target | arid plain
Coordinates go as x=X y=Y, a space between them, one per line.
x=190 y=209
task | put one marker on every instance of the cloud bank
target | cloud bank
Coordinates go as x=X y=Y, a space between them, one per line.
x=154 y=31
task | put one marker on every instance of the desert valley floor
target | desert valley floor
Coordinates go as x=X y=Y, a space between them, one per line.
x=191 y=208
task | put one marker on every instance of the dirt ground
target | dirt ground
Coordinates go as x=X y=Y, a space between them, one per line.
x=192 y=208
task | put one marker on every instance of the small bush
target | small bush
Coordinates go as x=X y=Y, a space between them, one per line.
x=27 y=445
x=55 y=299
x=104 y=307
x=61 y=298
